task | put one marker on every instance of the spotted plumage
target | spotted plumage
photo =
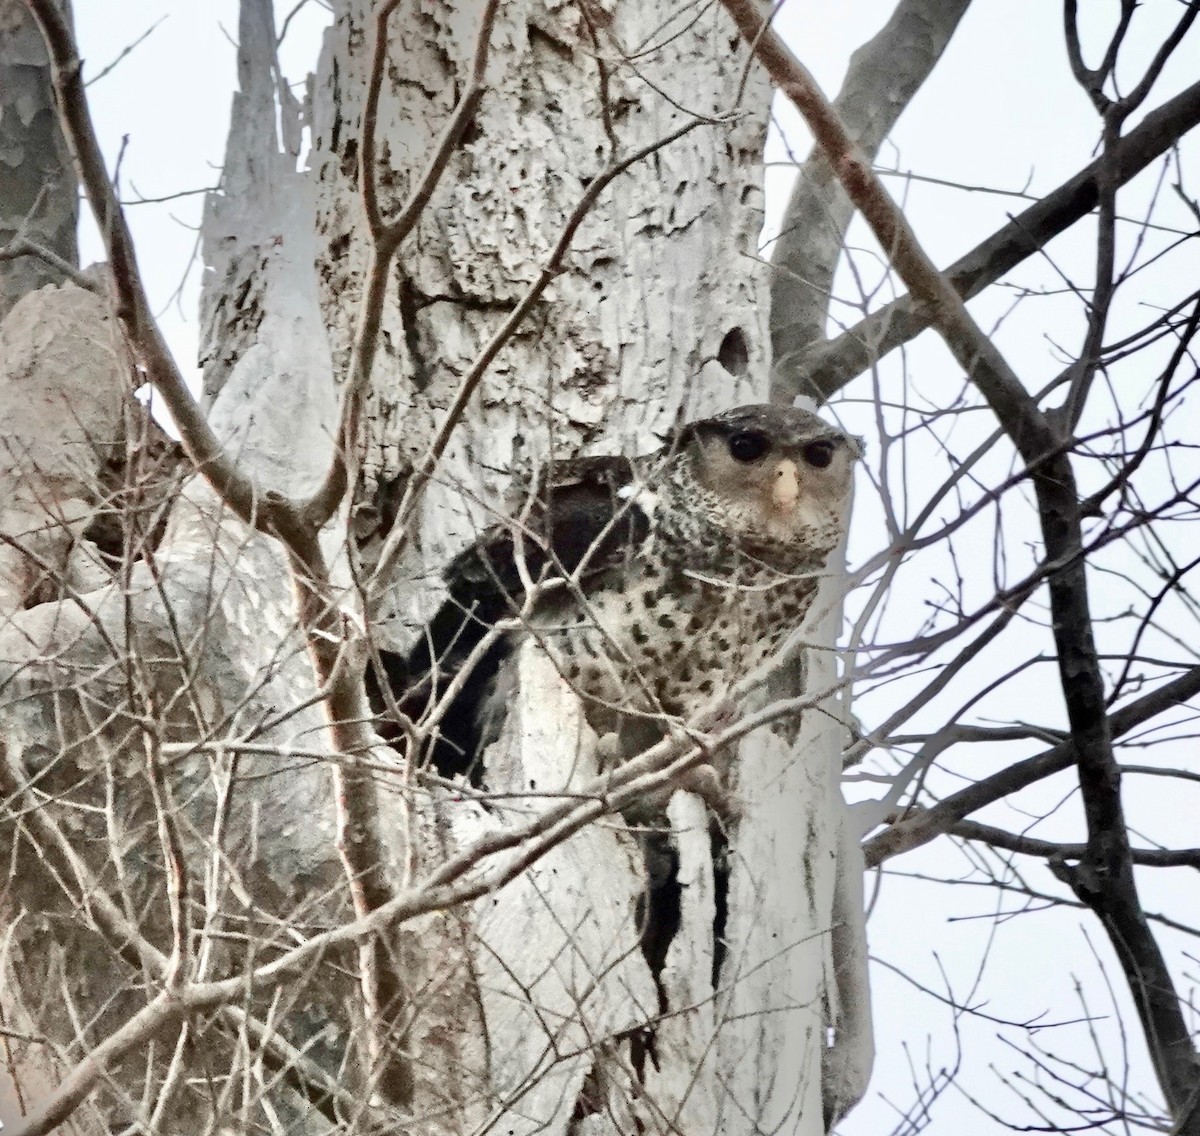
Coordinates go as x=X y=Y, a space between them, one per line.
x=662 y=580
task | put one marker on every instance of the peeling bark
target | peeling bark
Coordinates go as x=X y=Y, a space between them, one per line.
x=39 y=208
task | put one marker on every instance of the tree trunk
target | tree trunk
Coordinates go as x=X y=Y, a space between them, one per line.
x=168 y=714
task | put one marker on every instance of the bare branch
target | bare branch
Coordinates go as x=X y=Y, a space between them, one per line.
x=1091 y=81
x=884 y=75
x=1166 y=49
x=1049 y=850
x=21 y=246
x=265 y=512
x=826 y=368
x=127 y=50
x=913 y=830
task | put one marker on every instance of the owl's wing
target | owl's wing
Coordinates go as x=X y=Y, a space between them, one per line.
x=576 y=520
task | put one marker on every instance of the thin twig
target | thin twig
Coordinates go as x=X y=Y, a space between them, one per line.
x=387 y=236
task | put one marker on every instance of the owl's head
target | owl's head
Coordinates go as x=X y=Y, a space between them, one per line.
x=773 y=476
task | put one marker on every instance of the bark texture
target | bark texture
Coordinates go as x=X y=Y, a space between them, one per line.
x=38 y=205
x=168 y=717
x=630 y=332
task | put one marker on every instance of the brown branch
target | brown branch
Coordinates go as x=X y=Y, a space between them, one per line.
x=361 y=844
x=368 y=177
x=266 y=512
x=884 y=75
x=365 y=852
x=1087 y=363
x=1050 y=850
x=1105 y=877
x=827 y=367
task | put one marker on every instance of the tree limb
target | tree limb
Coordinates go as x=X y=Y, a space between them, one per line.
x=827 y=367
x=885 y=73
x=1050 y=850
x=915 y=829
x=1105 y=877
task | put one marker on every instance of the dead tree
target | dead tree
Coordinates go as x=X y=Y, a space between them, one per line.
x=522 y=233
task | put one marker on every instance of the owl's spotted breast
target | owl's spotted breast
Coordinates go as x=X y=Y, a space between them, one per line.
x=668 y=641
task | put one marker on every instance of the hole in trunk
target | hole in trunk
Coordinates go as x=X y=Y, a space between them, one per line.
x=734 y=352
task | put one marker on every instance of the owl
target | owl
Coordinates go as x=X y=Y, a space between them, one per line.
x=654 y=583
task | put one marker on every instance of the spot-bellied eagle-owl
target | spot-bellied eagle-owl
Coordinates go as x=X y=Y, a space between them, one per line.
x=657 y=582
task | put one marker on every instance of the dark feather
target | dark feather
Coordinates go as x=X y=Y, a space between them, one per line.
x=576 y=521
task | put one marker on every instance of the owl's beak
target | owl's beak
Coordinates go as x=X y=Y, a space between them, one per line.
x=785 y=490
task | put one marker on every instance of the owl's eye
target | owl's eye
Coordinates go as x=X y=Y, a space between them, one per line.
x=819 y=454
x=748 y=445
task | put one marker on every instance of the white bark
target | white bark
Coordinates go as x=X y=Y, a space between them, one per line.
x=848 y=1047
x=556 y=952
x=628 y=334
x=62 y=409
x=525 y=1009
